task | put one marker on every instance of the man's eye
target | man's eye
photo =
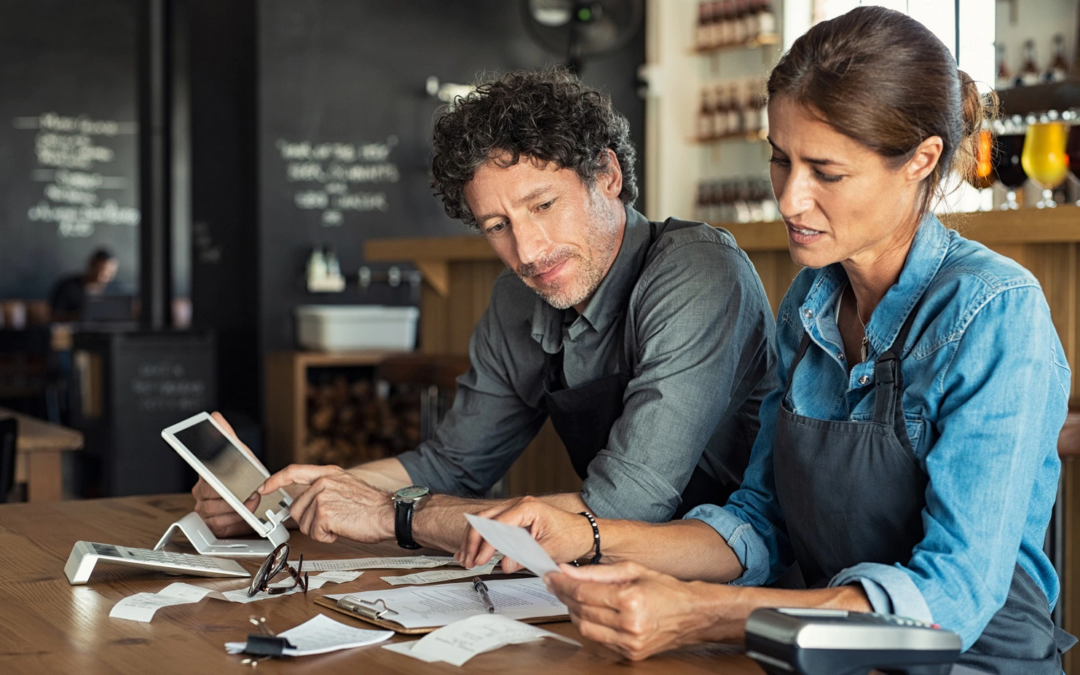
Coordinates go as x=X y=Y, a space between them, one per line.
x=496 y=228
x=545 y=206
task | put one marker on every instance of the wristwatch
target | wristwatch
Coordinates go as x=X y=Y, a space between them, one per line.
x=405 y=500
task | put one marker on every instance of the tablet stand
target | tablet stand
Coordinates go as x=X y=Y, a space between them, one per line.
x=206 y=543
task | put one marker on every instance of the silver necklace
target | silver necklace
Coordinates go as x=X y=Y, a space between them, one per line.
x=865 y=340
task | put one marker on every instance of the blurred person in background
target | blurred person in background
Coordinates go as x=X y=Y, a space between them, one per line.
x=69 y=296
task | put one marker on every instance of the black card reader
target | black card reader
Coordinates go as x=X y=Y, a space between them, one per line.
x=838 y=642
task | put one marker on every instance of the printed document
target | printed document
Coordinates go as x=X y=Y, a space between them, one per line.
x=426 y=606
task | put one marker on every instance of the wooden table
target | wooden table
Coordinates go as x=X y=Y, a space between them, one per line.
x=38 y=463
x=48 y=626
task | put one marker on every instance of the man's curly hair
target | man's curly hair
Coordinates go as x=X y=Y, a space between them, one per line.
x=546 y=116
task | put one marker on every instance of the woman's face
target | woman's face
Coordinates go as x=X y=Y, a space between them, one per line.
x=841 y=201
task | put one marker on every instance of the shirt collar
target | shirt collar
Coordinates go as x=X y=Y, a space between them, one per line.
x=608 y=303
x=923 y=262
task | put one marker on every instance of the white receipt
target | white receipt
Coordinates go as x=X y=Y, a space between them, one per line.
x=426 y=606
x=460 y=641
x=317 y=581
x=441 y=576
x=142 y=606
x=515 y=543
x=415 y=562
x=320 y=635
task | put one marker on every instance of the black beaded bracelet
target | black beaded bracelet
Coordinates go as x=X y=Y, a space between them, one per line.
x=595 y=536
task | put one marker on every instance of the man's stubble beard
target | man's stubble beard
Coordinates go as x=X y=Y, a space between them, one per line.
x=600 y=239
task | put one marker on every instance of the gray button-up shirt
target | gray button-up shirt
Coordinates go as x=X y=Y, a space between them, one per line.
x=698 y=337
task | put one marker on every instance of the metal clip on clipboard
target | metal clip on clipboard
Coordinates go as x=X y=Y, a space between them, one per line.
x=371 y=610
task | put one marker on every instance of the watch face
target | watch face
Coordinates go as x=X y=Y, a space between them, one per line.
x=412 y=493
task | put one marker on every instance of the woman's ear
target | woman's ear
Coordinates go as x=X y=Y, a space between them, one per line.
x=924 y=159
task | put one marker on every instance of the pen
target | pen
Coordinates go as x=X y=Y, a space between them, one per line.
x=482 y=591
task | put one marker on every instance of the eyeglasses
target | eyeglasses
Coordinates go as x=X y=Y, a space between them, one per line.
x=276 y=563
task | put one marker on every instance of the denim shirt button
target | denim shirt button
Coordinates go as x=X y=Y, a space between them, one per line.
x=864 y=380
x=808 y=313
x=840 y=355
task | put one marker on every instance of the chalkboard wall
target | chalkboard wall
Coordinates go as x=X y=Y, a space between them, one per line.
x=344 y=120
x=68 y=180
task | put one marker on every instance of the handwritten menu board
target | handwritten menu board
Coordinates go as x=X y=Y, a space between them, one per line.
x=68 y=141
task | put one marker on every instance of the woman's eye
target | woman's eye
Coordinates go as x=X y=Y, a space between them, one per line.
x=827 y=178
x=779 y=161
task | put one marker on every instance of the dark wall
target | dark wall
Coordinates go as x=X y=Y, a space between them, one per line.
x=222 y=72
x=338 y=75
x=68 y=169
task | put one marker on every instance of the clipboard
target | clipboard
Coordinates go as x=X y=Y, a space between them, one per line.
x=379 y=614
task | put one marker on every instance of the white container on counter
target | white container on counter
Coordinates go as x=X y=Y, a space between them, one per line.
x=353 y=327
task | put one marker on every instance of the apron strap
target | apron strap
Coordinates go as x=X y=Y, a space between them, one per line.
x=888 y=379
x=889 y=383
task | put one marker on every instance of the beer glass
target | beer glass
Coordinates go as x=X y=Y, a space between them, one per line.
x=1044 y=160
x=1072 y=146
x=1005 y=161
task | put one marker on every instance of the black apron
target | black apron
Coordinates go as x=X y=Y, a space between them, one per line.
x=583 y=416
x=852 y=492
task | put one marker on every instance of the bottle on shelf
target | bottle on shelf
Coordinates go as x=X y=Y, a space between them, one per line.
x=701 y=208
x=735 y=111
x=705 y=116
x=1004 y=74
x=750 y=20
x=1059 y=66
x=738 y=22
x=703 y=30
x=1029 y=72
x=753 y=114
x=727 y=24
x=766 y=18
x=720 y=113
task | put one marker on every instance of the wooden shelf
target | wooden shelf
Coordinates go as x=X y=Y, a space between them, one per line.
x=747 y=137
x=286 y=398
x=1040 y=97
x=753 y=43
x=1023 y=226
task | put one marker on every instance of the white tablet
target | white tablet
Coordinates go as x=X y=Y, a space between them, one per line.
x=234 y=473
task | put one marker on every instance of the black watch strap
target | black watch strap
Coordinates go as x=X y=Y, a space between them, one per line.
x=403 y=512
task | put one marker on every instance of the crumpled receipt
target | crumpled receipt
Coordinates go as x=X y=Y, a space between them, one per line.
x=143 y=606
x=458 y=642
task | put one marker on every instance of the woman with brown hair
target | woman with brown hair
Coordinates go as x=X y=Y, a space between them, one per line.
x=907 y=461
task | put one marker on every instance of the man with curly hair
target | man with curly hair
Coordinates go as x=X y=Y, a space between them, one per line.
x=649 y=346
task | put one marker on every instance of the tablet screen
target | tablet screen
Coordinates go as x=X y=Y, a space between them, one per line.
x=228 y=462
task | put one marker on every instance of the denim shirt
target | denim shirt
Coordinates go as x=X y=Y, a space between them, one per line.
x=986 y=394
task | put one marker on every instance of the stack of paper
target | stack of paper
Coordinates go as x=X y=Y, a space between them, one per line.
x=458 y=642
x=411 y=562
x=441 y=576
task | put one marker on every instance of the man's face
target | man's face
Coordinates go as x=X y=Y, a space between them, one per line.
x=544 y=223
